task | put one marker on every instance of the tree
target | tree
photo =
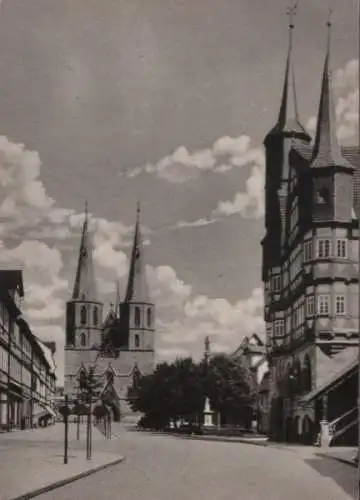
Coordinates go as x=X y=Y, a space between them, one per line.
x=177 y=390
x=189 y=381
x=89 y=385
x=173 y=391
x=231 y=389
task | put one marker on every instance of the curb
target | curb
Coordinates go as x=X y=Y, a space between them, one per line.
x=68 y=480
x=224 y=440
x=339 y=459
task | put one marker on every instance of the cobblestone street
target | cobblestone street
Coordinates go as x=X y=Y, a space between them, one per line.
x=165 y=467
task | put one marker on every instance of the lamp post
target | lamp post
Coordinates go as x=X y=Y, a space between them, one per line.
x=66 y=428
x=358 y=401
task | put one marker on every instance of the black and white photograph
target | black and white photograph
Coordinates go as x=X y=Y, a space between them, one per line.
x=179 y=250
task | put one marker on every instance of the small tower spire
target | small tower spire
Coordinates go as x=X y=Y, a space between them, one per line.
x=206 y=348
x=84 y=286
x=288 y=122
x=137 y=288
x=117 y=299
x=327 y=151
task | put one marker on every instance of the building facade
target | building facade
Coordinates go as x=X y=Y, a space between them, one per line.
x=310 y=263
x=27 y=368
x=119 y=346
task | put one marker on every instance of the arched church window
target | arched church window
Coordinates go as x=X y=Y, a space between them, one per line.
x=137 y=316
x=83 y=340
x=83 y=315
x=95 y=316
x=149 y=317
x=137 y=341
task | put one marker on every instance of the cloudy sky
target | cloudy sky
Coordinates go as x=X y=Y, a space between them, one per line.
x=166 y=102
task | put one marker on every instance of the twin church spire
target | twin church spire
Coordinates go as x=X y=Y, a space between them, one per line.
x=326 y=149
x=288 y=122
x=85 y=283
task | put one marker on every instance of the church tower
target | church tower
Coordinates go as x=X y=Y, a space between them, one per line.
x=83 y=313
x=137 y=312
x=278 y=142
x=332 y=173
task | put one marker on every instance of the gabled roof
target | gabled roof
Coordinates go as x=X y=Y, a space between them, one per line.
x=12 y=279
x=48 y=355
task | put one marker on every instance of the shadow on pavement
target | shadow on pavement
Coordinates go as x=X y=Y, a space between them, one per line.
x=343 y=474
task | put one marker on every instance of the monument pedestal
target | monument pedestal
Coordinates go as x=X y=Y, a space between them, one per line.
x=208 y=414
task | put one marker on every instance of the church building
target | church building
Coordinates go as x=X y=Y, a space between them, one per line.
x=119 y=346
x=310 y=271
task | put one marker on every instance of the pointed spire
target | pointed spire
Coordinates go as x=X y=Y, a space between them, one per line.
x=137 y=288
x=288 y=122
x=84 y=286
x=327 y=151
x=117 y=299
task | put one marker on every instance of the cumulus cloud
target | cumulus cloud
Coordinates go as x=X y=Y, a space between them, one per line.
x=44 y=285
x=249 y=203
x=182 y=166
x=198 y=315
x=346 y=92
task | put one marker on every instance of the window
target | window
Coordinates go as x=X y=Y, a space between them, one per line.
x=341 y=248
x=323 y=248
x=340 y=304
x=137 y=316
x=137 y=341
x=323 y=304
x=149 y=317
x=83 y=340
x=307 y=250
x=322 y=195
x=310 y=305
x=279 y=328
x=83 y=315
x=276 y=283
x=95 y=316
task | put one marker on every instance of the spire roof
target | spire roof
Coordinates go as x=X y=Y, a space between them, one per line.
x=137 y=288
x=288 y=122
x=327 y=151
x=117 y=299
x=84 y=286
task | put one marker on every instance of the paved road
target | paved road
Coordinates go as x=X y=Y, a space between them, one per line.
x=167 y=468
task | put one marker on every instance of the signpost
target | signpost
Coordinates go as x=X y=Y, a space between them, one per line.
x=66 y=428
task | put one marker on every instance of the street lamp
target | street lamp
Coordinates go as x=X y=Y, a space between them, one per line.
x=358 y=402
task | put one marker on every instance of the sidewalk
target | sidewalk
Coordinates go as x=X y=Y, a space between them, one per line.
x=342 y=454
x=33 y=460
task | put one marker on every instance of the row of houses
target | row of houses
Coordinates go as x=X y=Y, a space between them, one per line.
x=27 y=367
